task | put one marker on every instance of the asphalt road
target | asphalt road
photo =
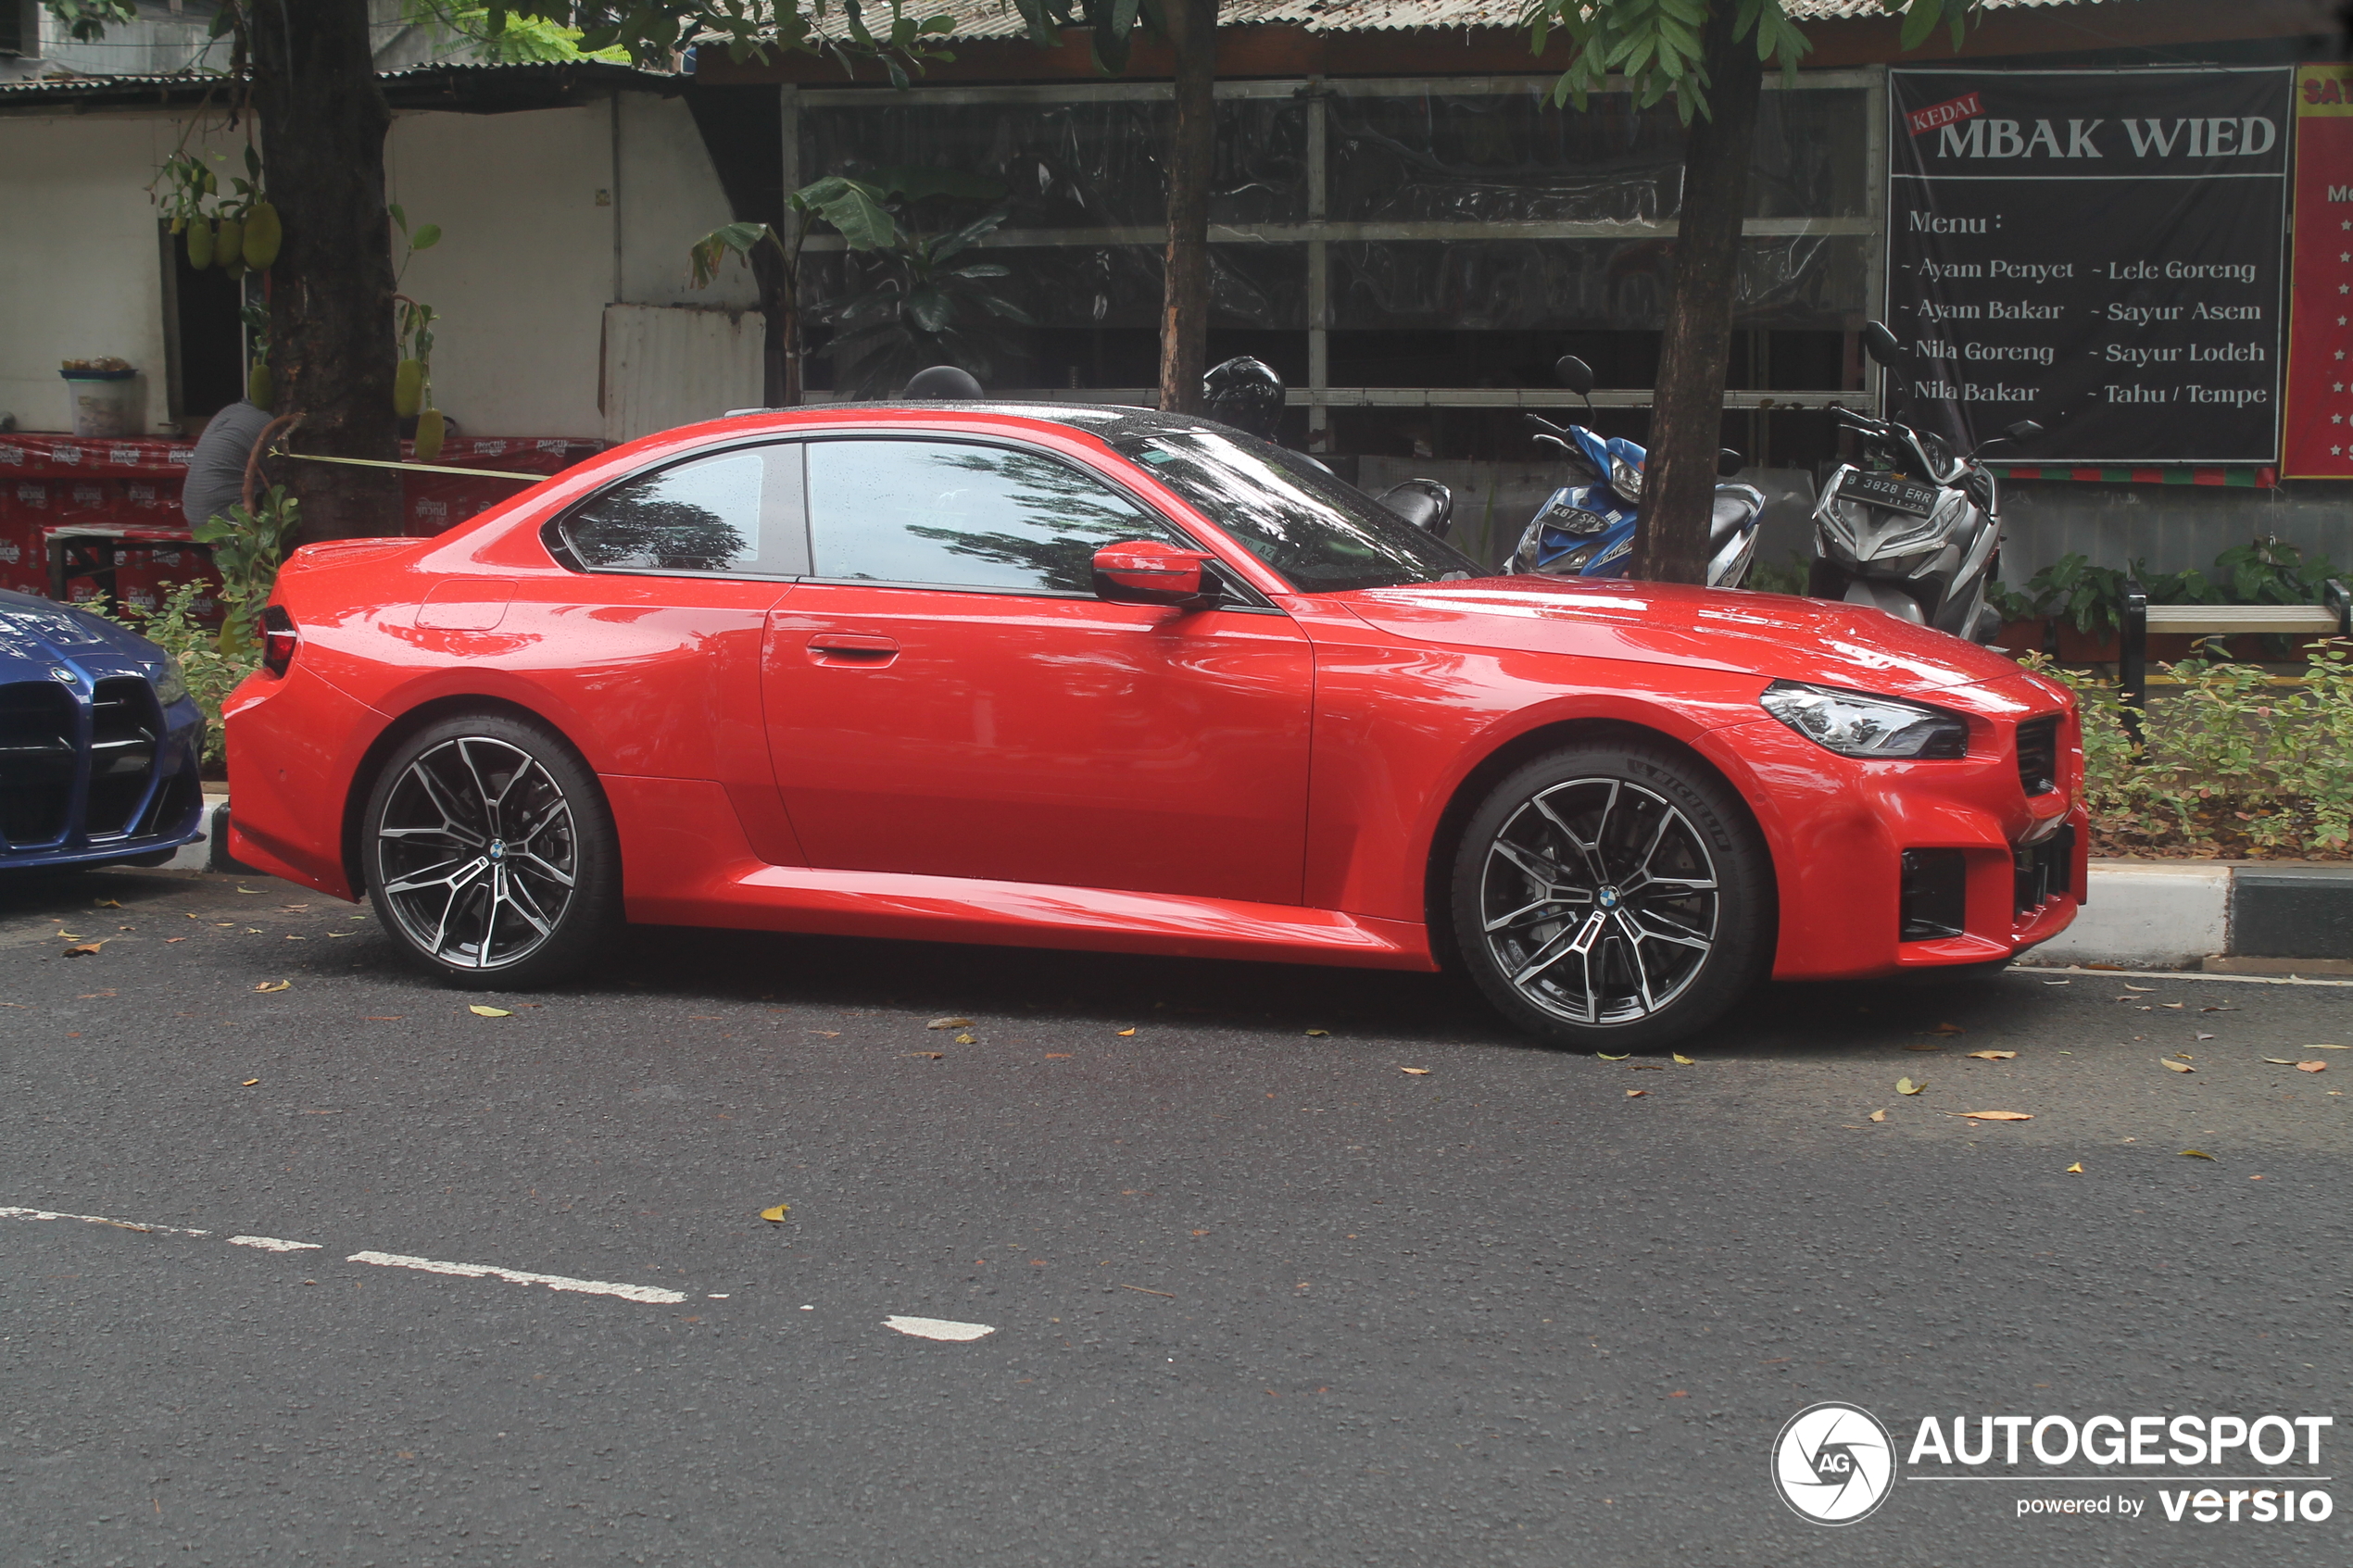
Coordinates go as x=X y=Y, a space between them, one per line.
x=1257 y=1294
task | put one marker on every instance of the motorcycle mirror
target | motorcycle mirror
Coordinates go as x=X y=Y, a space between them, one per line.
x=1880 y=345
x=2025 y=430
x=1728 y=462
x=1425 y=503
x=1574 y=374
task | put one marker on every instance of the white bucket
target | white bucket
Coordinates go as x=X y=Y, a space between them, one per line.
x=107 y=402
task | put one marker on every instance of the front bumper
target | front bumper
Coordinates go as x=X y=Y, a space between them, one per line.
x=96 y=770
x=1839 y=829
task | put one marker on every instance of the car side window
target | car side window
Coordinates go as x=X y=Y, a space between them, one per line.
x=963 y=515
x=732 y=513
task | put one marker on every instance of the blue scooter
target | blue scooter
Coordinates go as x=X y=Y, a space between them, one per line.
x=1587 y=527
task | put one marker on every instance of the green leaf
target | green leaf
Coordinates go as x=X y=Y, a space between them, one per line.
x=853 y=210
x=1920 y=19
x=398 y=217
x=426 y=237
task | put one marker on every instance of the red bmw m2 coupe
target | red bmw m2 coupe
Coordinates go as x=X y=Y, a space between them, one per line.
x=1062 y=676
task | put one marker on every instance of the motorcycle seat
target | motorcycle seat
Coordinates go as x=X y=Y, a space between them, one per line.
x=1737 y=507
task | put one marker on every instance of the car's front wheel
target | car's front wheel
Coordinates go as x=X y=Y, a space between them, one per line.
x=1613 y=896
x=490 y=852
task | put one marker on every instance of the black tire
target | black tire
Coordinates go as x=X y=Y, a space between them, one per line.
x=1661 y=913
x=489 y=853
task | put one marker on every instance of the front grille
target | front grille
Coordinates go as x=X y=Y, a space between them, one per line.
x=2038 y=755
x=124 y=724
x=36 y=761
x=1934 y=901
x=2043 y=872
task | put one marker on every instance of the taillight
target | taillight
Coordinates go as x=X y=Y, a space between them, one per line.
x=279 y=639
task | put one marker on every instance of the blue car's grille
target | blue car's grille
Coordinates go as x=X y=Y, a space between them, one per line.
x=37 y=722
x=124 y=726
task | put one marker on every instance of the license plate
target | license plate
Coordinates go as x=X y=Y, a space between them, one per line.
x=1886 y=490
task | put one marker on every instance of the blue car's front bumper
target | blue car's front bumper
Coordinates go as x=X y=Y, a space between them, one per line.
x=94 y=767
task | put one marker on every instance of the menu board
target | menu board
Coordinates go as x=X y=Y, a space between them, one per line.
x=2318 y=443
x=2100 y=251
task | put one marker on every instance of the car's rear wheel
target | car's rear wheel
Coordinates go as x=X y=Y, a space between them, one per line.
x=1613 y=896
x=489 y=853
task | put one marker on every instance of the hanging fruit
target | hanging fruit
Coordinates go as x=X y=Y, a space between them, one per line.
x=263 y=236
x=200 y=242
x=431 y=430
x=229 y=243
x=259 y=390
x=408 y=388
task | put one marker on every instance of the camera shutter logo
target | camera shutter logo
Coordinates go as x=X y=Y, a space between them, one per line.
x=1833 y=1464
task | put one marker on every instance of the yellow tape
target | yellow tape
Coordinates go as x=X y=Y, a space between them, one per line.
x=413 y=468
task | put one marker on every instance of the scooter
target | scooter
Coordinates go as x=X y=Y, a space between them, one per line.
x=1917 y=535
x=1587 y=527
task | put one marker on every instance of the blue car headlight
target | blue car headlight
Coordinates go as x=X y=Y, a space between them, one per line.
x=171 y=684
x=1858 y=724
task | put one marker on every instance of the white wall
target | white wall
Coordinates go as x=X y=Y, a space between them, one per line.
x=520 y=279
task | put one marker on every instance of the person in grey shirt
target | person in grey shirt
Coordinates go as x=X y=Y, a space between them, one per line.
x=216 y=479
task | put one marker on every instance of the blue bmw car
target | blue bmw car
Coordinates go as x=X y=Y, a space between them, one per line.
x=99 y=742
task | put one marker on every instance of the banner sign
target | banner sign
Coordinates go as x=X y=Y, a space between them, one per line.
x=2318 y=443
x=2097 y=251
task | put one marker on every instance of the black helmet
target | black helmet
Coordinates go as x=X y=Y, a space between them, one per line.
x=943 y=383
x=1244 y=392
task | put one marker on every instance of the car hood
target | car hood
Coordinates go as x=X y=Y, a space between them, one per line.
x=38 y=635
x=1777 y=637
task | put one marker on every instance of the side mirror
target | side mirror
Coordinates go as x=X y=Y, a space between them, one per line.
x=1425 y=503
x=2025 y=430
x=1728 y=462
x=1574 y=374
x=1880 y=345
x=1147 y=571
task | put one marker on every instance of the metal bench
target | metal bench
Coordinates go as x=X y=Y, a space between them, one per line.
x=2333 y=618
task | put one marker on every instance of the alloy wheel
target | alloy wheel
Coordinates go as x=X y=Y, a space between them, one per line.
x=1599 y=901
x=476 y=853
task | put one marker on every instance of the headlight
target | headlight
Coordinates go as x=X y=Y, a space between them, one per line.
x=1856 y=726
x=1625 y=478
x=171 y=684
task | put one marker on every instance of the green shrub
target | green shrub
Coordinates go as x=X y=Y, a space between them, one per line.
x=2228 y=764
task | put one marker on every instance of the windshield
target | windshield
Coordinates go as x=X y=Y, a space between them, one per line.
x=1323 y=535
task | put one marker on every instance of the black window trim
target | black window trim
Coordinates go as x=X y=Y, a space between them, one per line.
x=552 y=538
x=1242 y=597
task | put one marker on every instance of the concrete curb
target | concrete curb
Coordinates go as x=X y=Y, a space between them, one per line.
x=2142 y=914
x=2185 y=915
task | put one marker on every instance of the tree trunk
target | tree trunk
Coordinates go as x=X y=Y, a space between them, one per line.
x=323 y=120
x=1193 y=168
x=1686 y=418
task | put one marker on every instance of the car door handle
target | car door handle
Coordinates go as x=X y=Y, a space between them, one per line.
x=851 y=647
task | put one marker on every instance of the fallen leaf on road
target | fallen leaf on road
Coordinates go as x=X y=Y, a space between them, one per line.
x=2076 y=1168
x=930 y=1056
x=2280 y=1060
x=249 y=1083
x=2180 y=1066
x=1905 y=1086
x=2206 y=1037
x=169 y=940
x=248 y=889
x=966 y=1040
x=2324 y=1048
x=1319 y=1034
x=107 y=903
x=1878 y=1115
x=2184 y=1056
x=1683 y=1060
x=275 y=986
x=1994 y=1115
x=2059 y=981
x=85 y=949
x=2197 y=1154
x=828 y=1033
x=1058 y=1056
x=2143 y=990
x=481 y=1012
x=1636 y=1093
x=1416 y=1071
x=1994 y=1056
x=1948 y=1029
x=1923 y=1048
x=2175 y=1006
x=950 y=1024
x=1607 y=1057
x=1124 y=1033
x=2312 y=1067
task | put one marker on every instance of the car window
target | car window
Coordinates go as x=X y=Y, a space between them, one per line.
x=734 y=512
x=963 y=515
x=1322 y=533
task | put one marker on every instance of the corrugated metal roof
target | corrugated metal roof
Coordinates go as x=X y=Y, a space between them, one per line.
x=996 y=19
x=474 y=74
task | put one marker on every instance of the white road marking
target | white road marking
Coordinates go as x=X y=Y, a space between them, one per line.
x=97 y=1220
x=271 y=1244
x=938 y=1328
x=516 y=1276
x=2175 y=974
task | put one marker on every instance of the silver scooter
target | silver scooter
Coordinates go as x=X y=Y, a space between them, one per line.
x=1918 y=534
